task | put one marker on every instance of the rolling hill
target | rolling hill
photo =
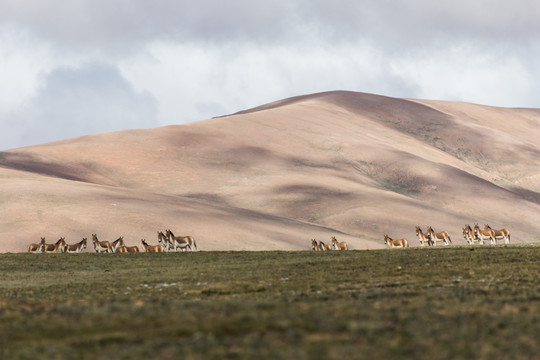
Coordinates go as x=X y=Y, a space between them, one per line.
x=348 y=164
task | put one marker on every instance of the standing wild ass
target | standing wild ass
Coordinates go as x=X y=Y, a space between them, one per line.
x=395 y=243
x=339 y=245
x=101 y=246
x=76 y=248
x=37 y=248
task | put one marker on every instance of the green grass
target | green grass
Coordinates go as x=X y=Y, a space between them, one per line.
x=451 y=303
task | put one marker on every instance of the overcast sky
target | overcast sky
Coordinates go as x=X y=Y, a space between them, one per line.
x=71 y=68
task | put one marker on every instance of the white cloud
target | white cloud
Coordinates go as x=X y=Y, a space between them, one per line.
x=74 y=102
x=466 y=73
x=21 y=62
x=207 y=81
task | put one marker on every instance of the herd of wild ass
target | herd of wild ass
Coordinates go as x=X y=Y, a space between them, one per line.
x=430 y=238
x=169 y=242
x=166 y=242
x=336 y=245
x=470 y=234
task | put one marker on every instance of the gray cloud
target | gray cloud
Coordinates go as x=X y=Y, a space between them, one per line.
x=75 y=102
x=415 y=21
x=120 y=24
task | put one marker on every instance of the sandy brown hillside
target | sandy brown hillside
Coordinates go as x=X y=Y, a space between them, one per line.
x=351 y=164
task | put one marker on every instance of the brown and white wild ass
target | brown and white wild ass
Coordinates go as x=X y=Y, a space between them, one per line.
x=326 y=247
x=37 y=248
x=500 y=234
x=101 y=246
x=468 y=234
x=152 y=248
x=181 y=242
x=164 y=240
x=440 y=236
x=76 y=248
x=56 y=247
x=128 y=249
x=320 y=246
x=485 y=234
x=117 y=244
x=395 y=243
x=132 y=249
x=423 y=238
x=339 y=245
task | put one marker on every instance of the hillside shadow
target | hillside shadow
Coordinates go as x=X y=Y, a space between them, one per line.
x=29 y=163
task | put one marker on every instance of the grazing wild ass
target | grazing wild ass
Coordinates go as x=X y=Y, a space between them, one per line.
x=395 y=243
x=121 y=249
x=128 y=249
x=131 y=249
x=152 y=248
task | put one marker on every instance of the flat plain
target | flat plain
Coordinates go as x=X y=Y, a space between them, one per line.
x=416 y=303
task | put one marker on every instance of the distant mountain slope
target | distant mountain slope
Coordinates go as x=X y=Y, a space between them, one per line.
x=353 y=164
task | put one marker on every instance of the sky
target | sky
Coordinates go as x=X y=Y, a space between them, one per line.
x=77 y=67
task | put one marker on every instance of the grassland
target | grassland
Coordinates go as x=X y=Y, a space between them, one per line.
x=451 y=303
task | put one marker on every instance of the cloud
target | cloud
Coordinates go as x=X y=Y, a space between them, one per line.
x=118 y=27
x=212 y=81
x=180 y=61
x=75 y=102
x=106 y=24
x=21 y=61
x=463 y=73
x=207 y=81
x=422 y=22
